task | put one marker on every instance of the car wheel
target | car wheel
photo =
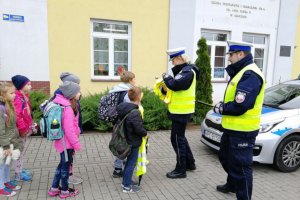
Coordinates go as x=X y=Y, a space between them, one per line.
x=287 y=156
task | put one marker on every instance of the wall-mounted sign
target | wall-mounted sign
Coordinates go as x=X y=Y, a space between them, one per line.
x=13 y=18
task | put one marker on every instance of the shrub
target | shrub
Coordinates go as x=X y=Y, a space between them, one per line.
x=36 y=98
x=203 y=85
x=155 y=116
x=89 y=109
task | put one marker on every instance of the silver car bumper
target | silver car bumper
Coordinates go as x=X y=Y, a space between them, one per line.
x=263 y=152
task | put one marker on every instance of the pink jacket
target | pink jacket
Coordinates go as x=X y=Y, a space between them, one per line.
x=69 y=125
x=23 y=111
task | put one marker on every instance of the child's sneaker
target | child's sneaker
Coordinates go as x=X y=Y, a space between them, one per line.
x=118 y=174
x=75 y=180
x=6 y=192
x=132 y=183
x=53 y=192
x=23 y=177
x=132 y=189
x=26 y=172
x=12 y=185
x=69 y=193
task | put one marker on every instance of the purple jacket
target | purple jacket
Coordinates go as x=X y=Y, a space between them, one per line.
x=69 y=125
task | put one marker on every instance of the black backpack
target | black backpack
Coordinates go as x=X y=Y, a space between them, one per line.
x=107 y=109
x=118 y=144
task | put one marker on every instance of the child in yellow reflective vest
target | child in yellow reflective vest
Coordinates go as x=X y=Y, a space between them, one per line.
x=142 y=154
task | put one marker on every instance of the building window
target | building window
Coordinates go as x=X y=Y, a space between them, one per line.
x=258 y=50
x=111 y=49
x=217 y=47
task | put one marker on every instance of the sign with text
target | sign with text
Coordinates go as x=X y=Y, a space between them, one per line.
x=254 y=13
x=13 y=18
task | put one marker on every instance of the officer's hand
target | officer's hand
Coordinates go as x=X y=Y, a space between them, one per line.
x=218 y=108
x=164 y=75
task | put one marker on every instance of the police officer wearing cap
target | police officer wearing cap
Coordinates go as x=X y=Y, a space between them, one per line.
x=241 y=111
x=180 y=108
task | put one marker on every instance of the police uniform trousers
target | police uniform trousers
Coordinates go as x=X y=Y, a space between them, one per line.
x=236 y=157
x=184 y=155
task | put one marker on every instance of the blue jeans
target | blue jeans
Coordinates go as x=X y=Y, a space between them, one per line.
x=118 y=163
x=63 y=170
x=4 y=175
x=129 y=166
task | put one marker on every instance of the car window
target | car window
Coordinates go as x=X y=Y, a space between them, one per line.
x=283 y=96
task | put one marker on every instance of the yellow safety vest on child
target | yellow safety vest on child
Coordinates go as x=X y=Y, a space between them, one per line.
x=142 y=154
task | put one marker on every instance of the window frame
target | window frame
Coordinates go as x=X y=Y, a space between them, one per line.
x=259 y=46
x=111 y=37
x=213 y=44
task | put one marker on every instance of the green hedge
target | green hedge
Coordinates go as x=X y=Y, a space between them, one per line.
x=155 y=116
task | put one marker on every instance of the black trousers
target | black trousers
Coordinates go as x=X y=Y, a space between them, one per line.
x=235 y=155
x=184 y=155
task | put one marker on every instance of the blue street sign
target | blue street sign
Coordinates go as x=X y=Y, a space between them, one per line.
x=14 y=18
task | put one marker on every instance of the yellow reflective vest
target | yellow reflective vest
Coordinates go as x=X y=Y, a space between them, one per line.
x=183 y=101
x=250 y=120
x=142 y=154
x=142 y=158
x=157 y=90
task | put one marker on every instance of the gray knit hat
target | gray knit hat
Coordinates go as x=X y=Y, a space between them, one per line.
x=69 y=89
x=66 y=76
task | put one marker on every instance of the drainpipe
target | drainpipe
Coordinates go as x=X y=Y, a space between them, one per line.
x=275 y=57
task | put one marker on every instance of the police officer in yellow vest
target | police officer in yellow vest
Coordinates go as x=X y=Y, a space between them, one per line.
x=241 y=111
x=180 y=108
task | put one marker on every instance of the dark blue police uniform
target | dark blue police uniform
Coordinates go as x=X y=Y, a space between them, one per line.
x=236 y=148
x=184 y=156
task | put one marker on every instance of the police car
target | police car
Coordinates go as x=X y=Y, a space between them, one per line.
x=278 y=141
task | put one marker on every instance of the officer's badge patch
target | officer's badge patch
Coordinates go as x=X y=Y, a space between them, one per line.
x=178 y=76
x=240 y=97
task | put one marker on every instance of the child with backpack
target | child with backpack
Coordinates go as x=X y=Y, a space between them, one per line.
x=128 y=81
x=66 y=76
x=107 y=108
x=69 y=142
x=8 y=135
x=24 y=120
x=134 y=131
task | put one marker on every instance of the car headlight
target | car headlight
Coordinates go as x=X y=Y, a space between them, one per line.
x=269 y=126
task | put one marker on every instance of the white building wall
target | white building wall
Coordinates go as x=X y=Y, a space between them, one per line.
x=24 y=45
x=235 y=17
x=286 y=36
x=182 y=24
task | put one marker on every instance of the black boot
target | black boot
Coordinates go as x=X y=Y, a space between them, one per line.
x=225 y=188
x=176 y=174
x=191 y=168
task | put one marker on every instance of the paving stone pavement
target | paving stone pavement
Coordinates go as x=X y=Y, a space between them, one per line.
x=94 y=165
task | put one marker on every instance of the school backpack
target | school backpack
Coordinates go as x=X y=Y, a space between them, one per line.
x=118 y=144
x=107 y=109
x=51 y=122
